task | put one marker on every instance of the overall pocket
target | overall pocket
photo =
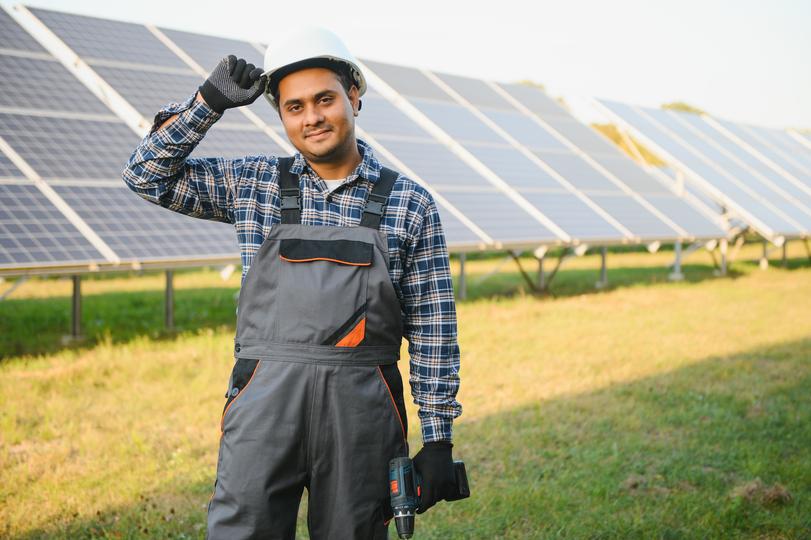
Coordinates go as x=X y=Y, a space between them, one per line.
x=321 y=298
x=241 y=376
x=393 y=381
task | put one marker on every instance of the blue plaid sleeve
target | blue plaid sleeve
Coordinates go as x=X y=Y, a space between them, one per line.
x=161 y=172
x=430 y=328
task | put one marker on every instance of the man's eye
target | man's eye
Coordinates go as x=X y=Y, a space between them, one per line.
x=326 y=99
x=294 y=108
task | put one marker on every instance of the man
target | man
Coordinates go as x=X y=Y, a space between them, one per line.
x=332 y=279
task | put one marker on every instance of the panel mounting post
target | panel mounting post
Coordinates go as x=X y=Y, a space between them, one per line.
x=169 y=301
x=462 y=282
x=603 y=282
x=76 y=317
x=676 y=274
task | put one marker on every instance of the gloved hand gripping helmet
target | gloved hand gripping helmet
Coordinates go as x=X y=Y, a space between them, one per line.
x=308 y=47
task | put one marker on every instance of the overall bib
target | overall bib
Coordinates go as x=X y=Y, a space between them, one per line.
x=315 y=398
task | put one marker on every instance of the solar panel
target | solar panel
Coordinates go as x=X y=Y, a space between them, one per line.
x=749 y=160
x=764 y=187
x=786 y=160
x=13 y=36
x=138 y=230
x=483 y=142
x=33 y=232
x=103 y=39
x=69 y=147
x=743 y=201
x=45 y=85
x=641 y=220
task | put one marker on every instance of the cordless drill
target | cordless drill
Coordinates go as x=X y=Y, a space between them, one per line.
x=404 y=486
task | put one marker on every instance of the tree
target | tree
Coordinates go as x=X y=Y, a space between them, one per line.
x=682 y=107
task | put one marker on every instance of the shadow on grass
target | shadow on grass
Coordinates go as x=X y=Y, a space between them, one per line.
x=696 y=453
x=39 y=326
x=579 y=281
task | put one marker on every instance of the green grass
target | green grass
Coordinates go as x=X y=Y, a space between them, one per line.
x=648 y=410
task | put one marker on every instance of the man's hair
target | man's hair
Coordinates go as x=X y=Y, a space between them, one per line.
x=343 y=77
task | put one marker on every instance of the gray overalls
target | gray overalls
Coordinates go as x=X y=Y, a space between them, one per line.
x=315 y=397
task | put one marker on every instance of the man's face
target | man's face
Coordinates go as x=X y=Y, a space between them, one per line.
x=318 y=115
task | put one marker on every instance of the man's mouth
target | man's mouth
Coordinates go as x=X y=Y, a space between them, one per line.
x=316 y=134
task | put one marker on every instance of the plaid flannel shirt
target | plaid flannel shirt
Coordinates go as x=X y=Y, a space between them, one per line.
x=245 y=193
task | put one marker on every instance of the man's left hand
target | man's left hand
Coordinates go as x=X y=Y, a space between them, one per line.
x=434 y=463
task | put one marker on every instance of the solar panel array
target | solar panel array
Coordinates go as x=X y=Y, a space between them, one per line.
x=508 y=165
x=76 y=149
x=737 y=165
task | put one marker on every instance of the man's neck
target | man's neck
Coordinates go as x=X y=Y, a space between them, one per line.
x=340 y=169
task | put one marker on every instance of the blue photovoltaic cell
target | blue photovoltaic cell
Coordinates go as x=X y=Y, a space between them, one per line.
x=207 y=51
x=14 y=36
x=7 y=168
x=435 y=164
x=632 y=175
x=138 y=230
x=535 y=100
x=408 y=81
x=33 y=232
x=583 y=137
x=685 y=215
x=378 y=116
x=457 y=121
x=579 y=173
x=512 y=166
x=690 y=158
x=476 y=92
x=498 y=216
x=573 y=216
x=638 y=219
x=70 y=148
x=524 y=130
x=456 y=232
x=45 y=85
x=104 y=39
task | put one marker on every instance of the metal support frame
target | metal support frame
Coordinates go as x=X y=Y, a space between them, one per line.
x=169 y=301
x=763 y=263
x=676 y=274
x=462 y=294
x=722 y=248
x=603 y=282
x=76 y=316
x=541 y=274
x=514 y=255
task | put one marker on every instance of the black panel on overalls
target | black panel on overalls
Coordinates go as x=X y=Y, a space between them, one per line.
x=315 y=398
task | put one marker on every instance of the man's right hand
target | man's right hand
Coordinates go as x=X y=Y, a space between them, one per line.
x=233 y=83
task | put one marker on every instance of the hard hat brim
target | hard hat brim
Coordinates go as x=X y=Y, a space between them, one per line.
x=333 y=64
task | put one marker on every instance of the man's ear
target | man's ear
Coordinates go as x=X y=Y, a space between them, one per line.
x=354 y=99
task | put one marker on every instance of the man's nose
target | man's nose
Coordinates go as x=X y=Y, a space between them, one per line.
x=312 y=116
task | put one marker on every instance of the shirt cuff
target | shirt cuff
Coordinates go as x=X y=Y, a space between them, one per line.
x=194 y=115
x=436 y=428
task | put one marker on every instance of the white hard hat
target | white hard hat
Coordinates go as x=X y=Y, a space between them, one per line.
x=308 y=47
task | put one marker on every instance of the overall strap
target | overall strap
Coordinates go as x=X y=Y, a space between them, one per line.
x=289 y=192
x=376 y=202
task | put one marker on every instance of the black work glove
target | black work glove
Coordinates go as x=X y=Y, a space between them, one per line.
x=233 y=83
x=434 y=464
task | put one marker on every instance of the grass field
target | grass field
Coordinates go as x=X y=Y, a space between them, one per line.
x=648 y=409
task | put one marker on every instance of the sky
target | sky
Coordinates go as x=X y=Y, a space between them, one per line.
x=745 y=60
